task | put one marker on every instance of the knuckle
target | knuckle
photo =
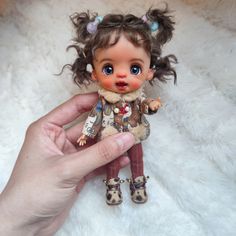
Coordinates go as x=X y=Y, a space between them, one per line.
x=31 y=128
x=32 y=125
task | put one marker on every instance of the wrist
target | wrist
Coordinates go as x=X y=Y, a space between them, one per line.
x=11 y=223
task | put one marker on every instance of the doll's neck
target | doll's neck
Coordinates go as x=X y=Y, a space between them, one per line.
x=113 y=97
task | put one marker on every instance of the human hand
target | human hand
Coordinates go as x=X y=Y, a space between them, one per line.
x=82 y=140
x=50 y=171
x=155 y=104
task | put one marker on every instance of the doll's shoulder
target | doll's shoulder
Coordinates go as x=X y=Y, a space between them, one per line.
x=97 y=108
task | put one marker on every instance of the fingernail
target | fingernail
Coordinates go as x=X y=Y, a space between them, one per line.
x=125 y=140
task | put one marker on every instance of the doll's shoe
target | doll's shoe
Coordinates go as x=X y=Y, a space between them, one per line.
x=113 y=195
x=138 y=189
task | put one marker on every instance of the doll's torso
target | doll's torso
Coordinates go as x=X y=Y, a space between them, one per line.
x=116 y=113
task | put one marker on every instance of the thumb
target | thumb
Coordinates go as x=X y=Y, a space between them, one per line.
x=82 y=163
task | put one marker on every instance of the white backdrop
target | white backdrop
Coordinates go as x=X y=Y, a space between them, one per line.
x=190 y=155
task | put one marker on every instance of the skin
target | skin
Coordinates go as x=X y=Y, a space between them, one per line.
x=122 y=63
x=50 y=170
x=122 y=80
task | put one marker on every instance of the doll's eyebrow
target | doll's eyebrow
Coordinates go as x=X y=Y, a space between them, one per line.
x=105 y=60
x=132 y=60
x=137 y=60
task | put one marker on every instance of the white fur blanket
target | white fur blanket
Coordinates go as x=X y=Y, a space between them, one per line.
x=191 y=154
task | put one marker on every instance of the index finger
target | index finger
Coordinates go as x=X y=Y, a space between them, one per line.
x=71 y=109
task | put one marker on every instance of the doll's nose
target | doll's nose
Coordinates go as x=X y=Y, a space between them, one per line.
x=121 y=75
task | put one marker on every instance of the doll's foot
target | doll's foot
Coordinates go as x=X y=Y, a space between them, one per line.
x=113 y=195
x=138 y=189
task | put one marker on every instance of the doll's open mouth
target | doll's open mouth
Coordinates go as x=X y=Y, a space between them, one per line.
x=121 y=84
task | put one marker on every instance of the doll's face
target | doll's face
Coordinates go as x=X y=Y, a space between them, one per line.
x=122 y=68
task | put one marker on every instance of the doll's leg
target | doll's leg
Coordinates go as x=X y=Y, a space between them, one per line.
x=138 y=180
x=136 y=160
x=113 y=194
x=113 y=169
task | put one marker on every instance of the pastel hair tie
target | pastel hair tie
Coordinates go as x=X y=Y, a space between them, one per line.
x=92 y=26
x=153 y=25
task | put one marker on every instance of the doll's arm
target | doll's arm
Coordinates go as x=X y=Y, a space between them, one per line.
x=92 y=124
x=82 y=140
x=155 y=104
x=150 y=106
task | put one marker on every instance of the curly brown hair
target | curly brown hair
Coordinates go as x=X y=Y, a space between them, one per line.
x=134 y=29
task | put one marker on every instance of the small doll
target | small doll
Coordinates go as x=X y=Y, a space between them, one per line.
x=123 y=51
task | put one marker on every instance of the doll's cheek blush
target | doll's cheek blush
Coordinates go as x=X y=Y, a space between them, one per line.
x=135 y=85
x=107 y=84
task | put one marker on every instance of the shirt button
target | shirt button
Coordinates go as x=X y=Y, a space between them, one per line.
x=116 y=110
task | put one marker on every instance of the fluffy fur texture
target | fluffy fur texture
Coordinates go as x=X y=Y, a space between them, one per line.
x=190 y=155
x=115 y=97
x=139 y=132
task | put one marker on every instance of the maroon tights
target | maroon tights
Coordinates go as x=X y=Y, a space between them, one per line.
x=135 y=154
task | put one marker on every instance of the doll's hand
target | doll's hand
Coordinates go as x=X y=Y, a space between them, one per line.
x=82 y=140
x=155 y=104
x=50 y=171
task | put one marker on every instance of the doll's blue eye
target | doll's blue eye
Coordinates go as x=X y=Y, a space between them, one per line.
x=135 y=69
x=107 y=69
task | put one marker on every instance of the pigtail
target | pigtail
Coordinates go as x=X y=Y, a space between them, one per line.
x=163 y=69
x=80 y=22
x=163 y=66
x=165 y=23
x=81 y=75
x=79 y=68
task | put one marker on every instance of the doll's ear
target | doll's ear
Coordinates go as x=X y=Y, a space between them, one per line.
x=150 y=74
x=94 y=76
